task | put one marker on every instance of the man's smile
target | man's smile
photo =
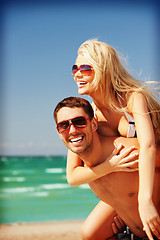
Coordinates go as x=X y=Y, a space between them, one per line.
x=77 y=139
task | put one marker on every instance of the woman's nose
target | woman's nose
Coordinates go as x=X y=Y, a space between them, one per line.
x=78 y=73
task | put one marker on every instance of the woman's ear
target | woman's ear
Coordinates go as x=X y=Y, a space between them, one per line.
x=94 y=124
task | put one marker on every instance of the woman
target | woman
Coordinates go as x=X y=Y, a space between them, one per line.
x=123 y=106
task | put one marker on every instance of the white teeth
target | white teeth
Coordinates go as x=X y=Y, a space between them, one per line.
x=81 y=83
x=76 y=139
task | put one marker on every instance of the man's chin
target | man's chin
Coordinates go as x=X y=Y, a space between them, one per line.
x=75 y=149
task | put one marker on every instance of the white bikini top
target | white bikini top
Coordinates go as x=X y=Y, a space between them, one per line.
x=131 y=127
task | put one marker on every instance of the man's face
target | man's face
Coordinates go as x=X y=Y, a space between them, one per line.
x=78 y=140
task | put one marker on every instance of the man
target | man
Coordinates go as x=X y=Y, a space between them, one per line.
x=77 y=128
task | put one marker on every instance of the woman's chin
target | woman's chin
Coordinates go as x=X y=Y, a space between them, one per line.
x=81 y=92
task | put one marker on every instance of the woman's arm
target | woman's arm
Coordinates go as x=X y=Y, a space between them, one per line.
x=78 y=174
x=147 y=155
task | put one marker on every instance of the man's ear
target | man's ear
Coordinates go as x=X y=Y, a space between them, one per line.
x=94 y=124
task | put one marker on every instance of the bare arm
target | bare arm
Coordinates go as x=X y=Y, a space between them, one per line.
x=147 y=155
x=78 y=174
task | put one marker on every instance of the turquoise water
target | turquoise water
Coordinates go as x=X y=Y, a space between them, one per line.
x=34 y=189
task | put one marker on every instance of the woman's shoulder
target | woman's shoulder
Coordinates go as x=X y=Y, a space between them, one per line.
x=136 y=95
x=135 y=99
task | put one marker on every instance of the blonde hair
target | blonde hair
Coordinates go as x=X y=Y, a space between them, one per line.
x=115 y=82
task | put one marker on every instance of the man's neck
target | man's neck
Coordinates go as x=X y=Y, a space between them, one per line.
x=94 y=156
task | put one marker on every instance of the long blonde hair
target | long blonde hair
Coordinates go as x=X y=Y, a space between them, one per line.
x=114 y=81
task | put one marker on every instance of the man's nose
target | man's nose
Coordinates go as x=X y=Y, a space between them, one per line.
x=72 y=128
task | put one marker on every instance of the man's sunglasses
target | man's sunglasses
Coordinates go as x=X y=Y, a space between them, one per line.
x=84 y=69
x=78 y=122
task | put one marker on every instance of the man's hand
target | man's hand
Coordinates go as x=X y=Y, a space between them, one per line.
x=118 y=225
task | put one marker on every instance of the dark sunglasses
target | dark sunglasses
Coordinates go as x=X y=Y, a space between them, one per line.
x=84 y=69
x=78 y=122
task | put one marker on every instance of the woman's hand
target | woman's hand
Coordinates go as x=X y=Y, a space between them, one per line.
x=150 y=218
x=123 y=161
x=78 y=174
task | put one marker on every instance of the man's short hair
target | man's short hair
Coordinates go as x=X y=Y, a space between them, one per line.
x=74 y=102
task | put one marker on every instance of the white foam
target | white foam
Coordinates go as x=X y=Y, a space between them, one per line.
x=14 y=179
x=40 y=194
x=54 y=170
x=84 y=186
x=19 y=190
x=56 y=186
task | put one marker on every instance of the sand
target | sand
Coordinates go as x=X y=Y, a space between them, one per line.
x=65 y=230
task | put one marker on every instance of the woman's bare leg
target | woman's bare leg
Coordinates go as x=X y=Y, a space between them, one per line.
x=98 y=224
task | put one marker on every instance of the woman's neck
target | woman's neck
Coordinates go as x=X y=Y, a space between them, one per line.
x=99 y=100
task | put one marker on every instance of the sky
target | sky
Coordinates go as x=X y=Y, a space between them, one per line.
x=39 y=45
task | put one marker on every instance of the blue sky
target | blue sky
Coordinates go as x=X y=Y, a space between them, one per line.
x=40 y=43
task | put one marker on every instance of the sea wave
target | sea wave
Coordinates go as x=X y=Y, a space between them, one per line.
x=56 y=186
x=3 y=159
x=54 y=170
x=18 y=190
x=14 y=179
x=84 y=186
x=20 y=172
x=35 y=190
x=40 y=194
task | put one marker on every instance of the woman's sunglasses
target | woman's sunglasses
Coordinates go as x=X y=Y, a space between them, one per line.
x=84 y=69
x=78 y=122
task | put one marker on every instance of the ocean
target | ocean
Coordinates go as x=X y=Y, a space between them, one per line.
x=35 y=189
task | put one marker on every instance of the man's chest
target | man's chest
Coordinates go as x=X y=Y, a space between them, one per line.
x=117 y=188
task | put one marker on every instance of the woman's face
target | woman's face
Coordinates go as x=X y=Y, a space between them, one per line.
x=83 y=81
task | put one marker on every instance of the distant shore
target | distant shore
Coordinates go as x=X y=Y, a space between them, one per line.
x=60 y=230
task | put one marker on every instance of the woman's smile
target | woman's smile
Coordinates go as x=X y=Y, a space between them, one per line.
x=81 y=83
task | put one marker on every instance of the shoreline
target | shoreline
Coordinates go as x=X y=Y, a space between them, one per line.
x=60 y=230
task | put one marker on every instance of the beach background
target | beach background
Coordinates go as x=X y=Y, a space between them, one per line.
x=35 y=190
x=38 y=46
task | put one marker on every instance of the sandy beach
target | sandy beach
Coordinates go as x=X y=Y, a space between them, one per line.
x=63 y=230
